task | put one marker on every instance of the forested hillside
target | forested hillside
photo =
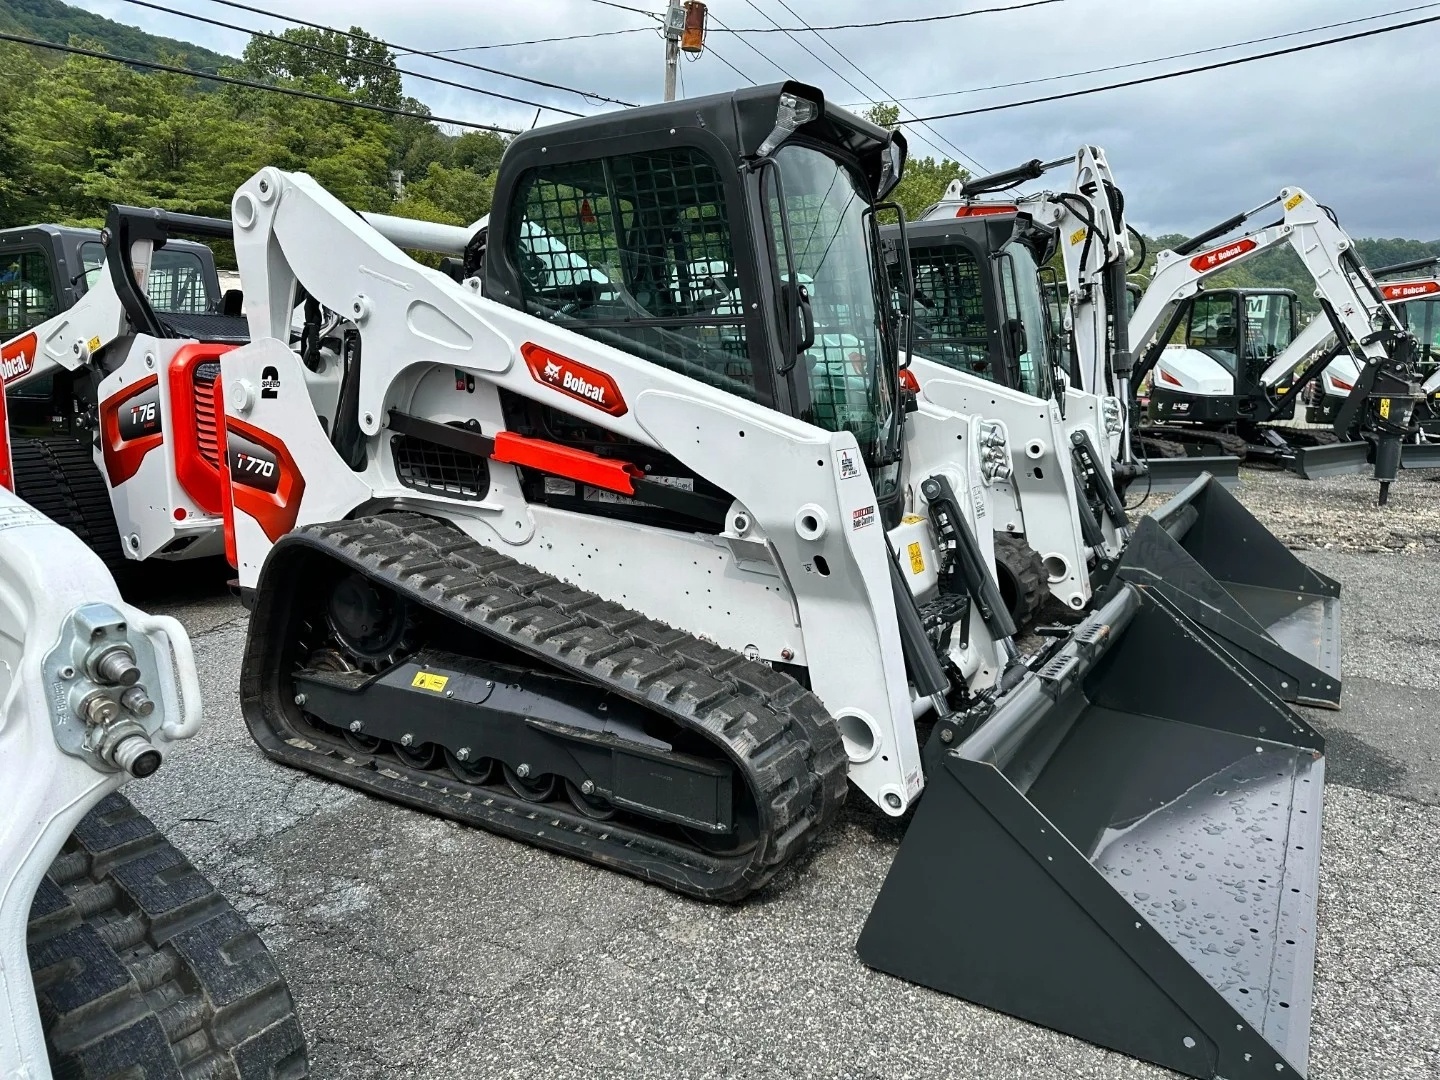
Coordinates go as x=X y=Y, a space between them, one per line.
x=54 y=21
x=77 y=134
x=1282 y=268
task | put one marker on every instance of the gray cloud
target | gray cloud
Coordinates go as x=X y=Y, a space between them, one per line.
x=1351 y=123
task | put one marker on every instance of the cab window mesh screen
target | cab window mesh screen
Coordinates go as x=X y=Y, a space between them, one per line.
x=27 y=292
x=950 y=325
x=176 y=284
x=636 y=251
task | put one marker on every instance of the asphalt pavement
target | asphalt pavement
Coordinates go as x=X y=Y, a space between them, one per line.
x=416 y=947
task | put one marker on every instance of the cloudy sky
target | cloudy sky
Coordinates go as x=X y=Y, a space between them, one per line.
x=1354 y=123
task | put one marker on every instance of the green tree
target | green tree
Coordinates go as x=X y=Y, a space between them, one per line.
x=361 y=65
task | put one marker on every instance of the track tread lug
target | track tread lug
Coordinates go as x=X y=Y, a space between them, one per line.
x=222 y=1007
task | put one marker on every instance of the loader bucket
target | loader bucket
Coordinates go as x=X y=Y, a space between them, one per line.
x=1222 y=569
x=1127 y=850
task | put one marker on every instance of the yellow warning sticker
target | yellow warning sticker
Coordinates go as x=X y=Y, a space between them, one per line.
x=1385 y=408
x=94 y=343
x=1282 y=389
x=1294 y=201
x=917 y=559
x=424 y=680
x=1077 y=236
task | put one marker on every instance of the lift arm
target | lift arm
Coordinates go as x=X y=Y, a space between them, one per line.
x=1353 y=302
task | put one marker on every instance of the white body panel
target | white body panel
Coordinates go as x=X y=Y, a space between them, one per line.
x=1190 y=371
x=1038 y=499
x=152 y=508
x=803 y=558
x=45 y=574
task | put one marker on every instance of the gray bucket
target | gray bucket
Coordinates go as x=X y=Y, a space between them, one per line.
x=1225 y=571
x=1126 y=850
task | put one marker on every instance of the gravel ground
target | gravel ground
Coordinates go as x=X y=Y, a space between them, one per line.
x=420 y=948
x=1341 y=513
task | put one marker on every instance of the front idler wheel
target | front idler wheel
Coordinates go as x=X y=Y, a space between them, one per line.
x=370 y=622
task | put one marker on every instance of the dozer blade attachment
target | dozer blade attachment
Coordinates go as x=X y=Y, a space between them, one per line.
x=1172 y=474
x=1420 y=456
x=1126 y=850
x=1219 y=567
x=1332 y=459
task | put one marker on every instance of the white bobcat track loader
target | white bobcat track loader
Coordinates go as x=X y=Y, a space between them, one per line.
x=643 y=565
x=1243 y=370
x=113 y=390
x=984 y=343
x=136 y=965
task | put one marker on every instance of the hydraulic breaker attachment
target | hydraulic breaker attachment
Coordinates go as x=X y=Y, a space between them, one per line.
x=1224 y=571
x=1127 y=850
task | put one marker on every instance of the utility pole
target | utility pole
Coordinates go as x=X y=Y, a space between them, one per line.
x=684 y=32
x=674 y=27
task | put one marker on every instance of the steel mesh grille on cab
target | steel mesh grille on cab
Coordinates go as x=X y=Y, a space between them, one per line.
x=637 y=251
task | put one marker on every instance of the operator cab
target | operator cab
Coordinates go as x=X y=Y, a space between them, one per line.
x=46 y=269
x=731 y=238
x=1230 y=337
x=979 y=306
x=1422 y=319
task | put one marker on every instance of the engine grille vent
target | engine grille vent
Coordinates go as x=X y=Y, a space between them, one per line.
x=439 y=470
x=207 y=439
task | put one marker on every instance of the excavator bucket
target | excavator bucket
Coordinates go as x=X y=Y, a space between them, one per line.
x=1226 y=572
x=1126 y=850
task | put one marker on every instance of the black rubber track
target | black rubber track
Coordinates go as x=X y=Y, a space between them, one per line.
x=58 y=477
x=775 y=733
x=1171 y=442
x=1020 y=573
x=144 y=972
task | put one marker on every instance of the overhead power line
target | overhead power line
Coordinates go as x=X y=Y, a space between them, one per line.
x=1188 y=71
x=711 y=50
x=778 y=29
x=847 y=82
x=626 y=7
x=589 y=95
x=547 y=40
x=1172 y=56
x=712 y=17
x=252 y=84
x=321 y=50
